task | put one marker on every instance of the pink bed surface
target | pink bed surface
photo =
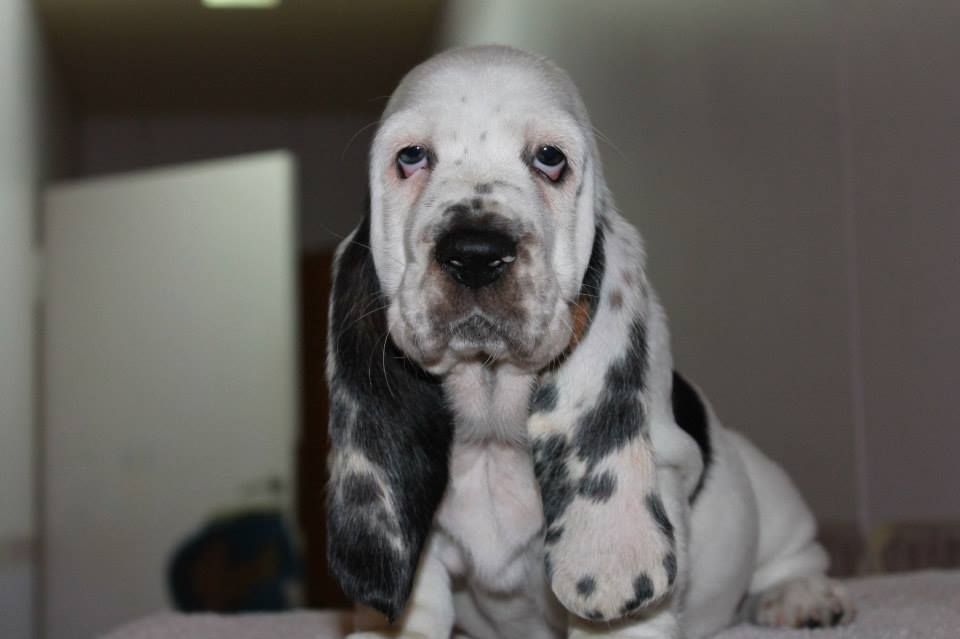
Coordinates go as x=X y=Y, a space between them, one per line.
x=921 y=605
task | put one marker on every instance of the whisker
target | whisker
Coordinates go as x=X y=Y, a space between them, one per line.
x=358 y=319
x=383 y=362
x=604 y=138
x=590 y=286
x=354 y=241
x=353 y=137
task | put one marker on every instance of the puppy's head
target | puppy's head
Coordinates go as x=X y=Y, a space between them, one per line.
x=482 y=179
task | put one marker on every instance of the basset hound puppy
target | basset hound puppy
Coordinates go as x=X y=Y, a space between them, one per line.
x=513 y=455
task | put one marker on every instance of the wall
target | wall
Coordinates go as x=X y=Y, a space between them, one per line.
x=331 y=152
x=724 y=119
x=170 y=385
x=905 y=156
x=26 y=140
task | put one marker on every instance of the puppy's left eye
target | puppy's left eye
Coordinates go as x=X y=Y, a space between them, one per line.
x=550 y=161
x=411 y=159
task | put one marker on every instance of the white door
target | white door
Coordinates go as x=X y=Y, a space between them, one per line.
x=170 y=372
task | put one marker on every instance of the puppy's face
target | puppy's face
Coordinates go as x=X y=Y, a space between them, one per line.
x=482 y=211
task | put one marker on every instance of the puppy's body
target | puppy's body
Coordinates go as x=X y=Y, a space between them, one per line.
x=540 y=471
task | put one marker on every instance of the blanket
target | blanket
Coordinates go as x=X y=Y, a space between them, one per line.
x=921 y=605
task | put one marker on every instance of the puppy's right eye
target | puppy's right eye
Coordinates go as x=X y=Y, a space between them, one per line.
x=411 y=159
x=550 y=161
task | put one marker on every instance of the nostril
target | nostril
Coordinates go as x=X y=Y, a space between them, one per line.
x=475 y=257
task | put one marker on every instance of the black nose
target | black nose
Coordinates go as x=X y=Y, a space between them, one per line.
x=475 y=257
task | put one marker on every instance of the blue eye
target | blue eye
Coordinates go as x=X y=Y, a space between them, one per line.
x=411 y=159
x=550 y=161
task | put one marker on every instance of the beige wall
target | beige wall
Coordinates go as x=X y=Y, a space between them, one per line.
x=794 y=168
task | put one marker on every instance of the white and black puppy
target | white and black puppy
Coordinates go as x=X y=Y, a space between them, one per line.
x=513 y=455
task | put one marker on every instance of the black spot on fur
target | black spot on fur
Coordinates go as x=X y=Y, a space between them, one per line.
x=359 y=490
x=594 y=615
x=483 y=189
x=483 y=136
x=476 y=204
x=616 y=299
x=554 y=533
x=599 y=487
x=457 y=210
x=583 y=179
x=642 y=592
x=544 y=399
x=550 y=466
x=670 y=567
x=691 y=416
x=586 y=586
x=618 y=415
x=548 y=567
x=593 y=278
x=395 y=414
x=659 y=514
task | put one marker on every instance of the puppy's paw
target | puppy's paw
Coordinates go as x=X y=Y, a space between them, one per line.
x=609 y=563
x=609 y=545
x=808 y=602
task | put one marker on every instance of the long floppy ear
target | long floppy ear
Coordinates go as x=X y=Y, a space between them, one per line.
x=391 y=434
x=609 y=544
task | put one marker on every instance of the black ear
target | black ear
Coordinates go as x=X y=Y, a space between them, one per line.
x=607 y=525
x=391 y=433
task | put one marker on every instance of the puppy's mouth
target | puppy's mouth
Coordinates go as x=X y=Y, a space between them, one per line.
x=480 y=335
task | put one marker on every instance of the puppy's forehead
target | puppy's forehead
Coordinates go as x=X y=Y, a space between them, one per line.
x=499 y=78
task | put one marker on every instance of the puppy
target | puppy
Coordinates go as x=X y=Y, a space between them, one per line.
x=513 y=454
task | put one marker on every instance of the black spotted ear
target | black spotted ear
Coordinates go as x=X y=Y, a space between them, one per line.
x=391 y=433
x=609 y=543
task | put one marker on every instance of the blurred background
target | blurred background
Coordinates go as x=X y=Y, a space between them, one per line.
x=174 y=175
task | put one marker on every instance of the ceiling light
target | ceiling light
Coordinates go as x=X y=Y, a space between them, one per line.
x=240 y=4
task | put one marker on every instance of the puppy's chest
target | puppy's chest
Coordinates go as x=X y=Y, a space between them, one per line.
x=492 y=510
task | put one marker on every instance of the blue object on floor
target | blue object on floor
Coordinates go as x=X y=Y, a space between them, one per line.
x=241 y=563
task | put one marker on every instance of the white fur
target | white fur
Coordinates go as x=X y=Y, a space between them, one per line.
x=482 y=569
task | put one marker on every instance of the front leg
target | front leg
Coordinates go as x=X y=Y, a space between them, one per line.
x=654 y=619
x=609 y=544
x=429 y=613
